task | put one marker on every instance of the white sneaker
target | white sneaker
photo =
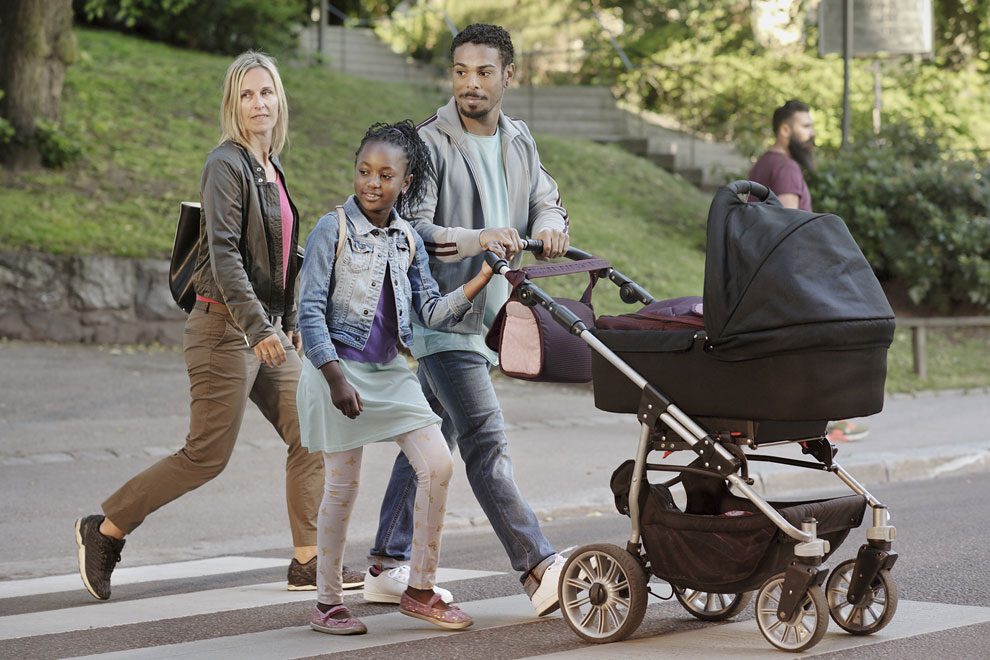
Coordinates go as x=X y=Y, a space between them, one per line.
x=388 y=586
x=545 y=599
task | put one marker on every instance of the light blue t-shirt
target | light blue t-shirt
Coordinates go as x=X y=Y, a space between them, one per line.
x=487 y=151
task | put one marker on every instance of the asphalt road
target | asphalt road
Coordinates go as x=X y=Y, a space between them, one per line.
x=942 y=576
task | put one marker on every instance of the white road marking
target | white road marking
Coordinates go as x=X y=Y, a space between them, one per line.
x=135 y=574
x=743 y=640
x=117 y=613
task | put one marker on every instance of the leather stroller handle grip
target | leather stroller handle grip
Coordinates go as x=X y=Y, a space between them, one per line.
x=744 y=187
x=535 y=245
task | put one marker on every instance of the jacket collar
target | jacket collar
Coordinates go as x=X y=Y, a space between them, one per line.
x=254 y=161
x=362 y=226
x=450 y=123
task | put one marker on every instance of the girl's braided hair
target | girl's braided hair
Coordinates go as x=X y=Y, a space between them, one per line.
x=404 y=136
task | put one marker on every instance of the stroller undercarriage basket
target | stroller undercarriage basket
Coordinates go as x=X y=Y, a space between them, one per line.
x=722 y=543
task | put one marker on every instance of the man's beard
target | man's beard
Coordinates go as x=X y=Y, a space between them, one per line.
x=803 y=153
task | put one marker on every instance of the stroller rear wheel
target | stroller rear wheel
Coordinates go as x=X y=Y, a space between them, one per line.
x=804 y=630
x=711 y=606
x=602 y=593
x=871 y=615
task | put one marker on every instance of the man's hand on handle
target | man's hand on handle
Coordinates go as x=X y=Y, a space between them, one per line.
x=555 y=243
x=507 y=237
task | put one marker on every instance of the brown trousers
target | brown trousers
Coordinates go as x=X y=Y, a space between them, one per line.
x=223 y=373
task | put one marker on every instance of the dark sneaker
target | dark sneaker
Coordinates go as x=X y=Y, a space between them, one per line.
x=302 y=577
x=98 y=556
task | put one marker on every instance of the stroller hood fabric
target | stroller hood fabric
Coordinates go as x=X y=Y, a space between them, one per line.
x=781 y=280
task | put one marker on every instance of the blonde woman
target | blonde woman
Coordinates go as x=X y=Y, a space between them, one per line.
x=240 y=339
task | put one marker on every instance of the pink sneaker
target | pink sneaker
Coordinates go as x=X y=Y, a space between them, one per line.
x=452 y=618
x=324 y=622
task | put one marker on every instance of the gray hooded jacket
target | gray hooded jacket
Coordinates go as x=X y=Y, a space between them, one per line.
x=451 y=218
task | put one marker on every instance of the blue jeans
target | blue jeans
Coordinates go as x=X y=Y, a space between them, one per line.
x=459 y=389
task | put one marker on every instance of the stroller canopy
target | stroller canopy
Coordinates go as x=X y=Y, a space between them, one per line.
x=782 y=280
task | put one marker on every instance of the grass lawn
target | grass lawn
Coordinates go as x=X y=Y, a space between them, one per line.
x=145 y=116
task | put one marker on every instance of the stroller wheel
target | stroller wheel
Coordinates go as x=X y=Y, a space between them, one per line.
x=804 y=630
x=871 y=615
x=711 y=606
x=602 y=593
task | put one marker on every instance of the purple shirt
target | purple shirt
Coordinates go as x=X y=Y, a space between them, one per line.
x=782 y=175
x=381 y=345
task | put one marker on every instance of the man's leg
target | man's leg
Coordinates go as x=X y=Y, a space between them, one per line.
x=461 y=384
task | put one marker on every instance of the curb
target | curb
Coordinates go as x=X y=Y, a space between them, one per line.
x=873 y=470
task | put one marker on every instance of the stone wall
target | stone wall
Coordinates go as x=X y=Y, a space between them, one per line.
x=98 y=299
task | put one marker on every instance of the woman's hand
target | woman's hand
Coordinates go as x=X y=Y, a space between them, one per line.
x=270 y=351
x=343 y=396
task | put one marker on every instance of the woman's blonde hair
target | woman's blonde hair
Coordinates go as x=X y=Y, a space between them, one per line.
x=230 y=117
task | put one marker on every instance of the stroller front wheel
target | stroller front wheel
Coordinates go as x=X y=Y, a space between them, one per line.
x=801 y=632
x=871 y=615
x=712 y=606
x=602 y=593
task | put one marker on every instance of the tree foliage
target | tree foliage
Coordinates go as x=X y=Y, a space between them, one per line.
x=217 y=26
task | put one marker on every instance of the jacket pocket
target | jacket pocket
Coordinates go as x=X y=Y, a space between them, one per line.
x=359 y=253
x=403 y=256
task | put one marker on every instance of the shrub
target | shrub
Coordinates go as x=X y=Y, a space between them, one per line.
x=56 y=147
x=921 y=218
x=216 y=26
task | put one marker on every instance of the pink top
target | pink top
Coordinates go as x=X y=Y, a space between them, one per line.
x=287 y=220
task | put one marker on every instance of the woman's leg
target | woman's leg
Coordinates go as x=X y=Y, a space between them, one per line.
x=342 y=472
x=429 y=456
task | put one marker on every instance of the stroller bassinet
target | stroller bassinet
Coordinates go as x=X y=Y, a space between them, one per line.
x=796 y=325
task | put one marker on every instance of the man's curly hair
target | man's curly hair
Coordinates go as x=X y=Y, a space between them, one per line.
x=484 y=34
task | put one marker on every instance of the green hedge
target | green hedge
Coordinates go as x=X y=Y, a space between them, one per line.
x=923 y=220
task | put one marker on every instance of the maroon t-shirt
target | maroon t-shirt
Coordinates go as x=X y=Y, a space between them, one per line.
x=782 y=175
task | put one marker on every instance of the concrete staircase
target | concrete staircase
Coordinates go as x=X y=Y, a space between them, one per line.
x=573 y=111
x=358 y=52
x=592 y=113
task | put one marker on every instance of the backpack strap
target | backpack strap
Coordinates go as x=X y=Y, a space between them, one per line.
x=412 y=241
x=341 y=232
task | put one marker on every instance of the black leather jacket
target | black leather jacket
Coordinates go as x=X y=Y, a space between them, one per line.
x=240 y=249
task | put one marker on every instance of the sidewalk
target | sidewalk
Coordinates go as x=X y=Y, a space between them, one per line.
x=78 y=421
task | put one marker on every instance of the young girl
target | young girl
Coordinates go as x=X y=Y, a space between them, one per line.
x=355 y=306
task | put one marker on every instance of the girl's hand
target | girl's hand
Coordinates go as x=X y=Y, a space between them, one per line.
x=343 y=396
x=495 y=248
x=346 y=399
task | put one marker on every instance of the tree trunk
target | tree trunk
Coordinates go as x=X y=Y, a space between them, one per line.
x=36 y=45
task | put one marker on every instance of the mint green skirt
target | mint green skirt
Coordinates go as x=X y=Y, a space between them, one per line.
x=393 y=405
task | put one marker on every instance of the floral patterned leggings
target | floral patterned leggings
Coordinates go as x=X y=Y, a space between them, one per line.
x=429 y=456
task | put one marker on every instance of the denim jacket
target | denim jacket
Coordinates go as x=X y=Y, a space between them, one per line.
x=337 y=302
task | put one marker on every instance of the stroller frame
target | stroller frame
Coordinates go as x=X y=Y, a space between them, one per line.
x=792 y=608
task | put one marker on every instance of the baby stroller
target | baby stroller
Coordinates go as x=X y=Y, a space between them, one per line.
x=793 y=331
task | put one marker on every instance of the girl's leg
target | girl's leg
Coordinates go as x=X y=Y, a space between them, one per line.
x=342 y=473
x=429 y=456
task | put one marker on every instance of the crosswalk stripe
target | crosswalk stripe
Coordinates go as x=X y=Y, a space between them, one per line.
x=383 y=629
x=300 y=641
x=136 y=574
x=99 y=615
x=743 y=639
